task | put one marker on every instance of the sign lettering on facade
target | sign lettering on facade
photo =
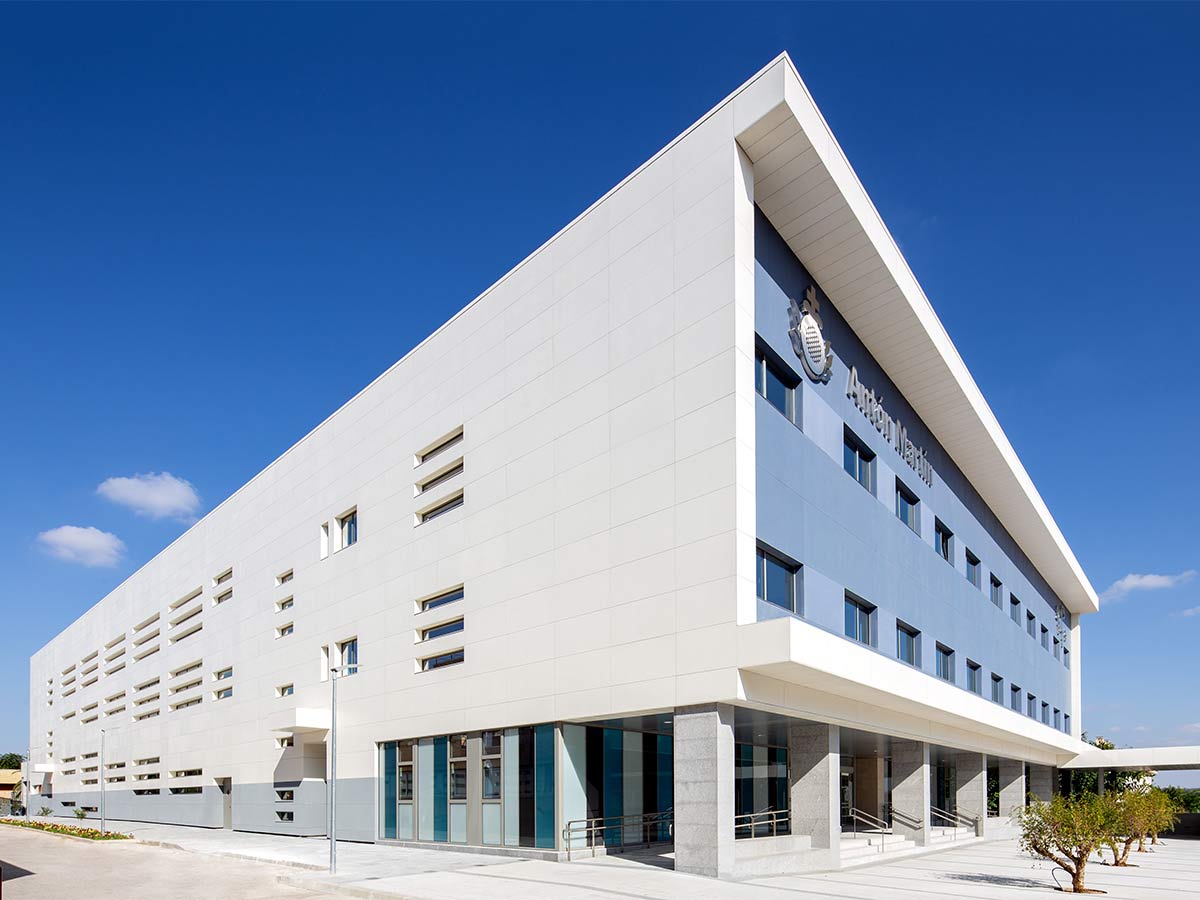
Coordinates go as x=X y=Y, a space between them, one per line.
x=893 y=430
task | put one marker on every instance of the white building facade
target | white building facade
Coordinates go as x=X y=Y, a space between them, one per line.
x=694 y=527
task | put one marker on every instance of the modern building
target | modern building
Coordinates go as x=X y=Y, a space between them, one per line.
x=694 y=527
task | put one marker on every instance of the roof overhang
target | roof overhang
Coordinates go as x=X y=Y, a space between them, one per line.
x=1138 y=759
x=302 y=720
x=806 y=187
x=858 y=678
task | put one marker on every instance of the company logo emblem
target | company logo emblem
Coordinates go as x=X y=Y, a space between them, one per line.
x=808 y=342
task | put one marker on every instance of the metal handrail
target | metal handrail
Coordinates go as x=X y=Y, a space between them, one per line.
x=857 y=815
x=772 y=817
x=596 y=827
x=956 y=819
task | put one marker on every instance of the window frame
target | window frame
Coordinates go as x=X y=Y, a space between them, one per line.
x=905 y=631
x=943 y=540
x=974 y=570
x=864 y=459
x=864 y=614
x=910 y=501
x=765 y=555
x=974 y=677
x=765 y=364
x=944 y=663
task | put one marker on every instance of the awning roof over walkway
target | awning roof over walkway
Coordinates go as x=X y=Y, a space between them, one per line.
x=1138 y=759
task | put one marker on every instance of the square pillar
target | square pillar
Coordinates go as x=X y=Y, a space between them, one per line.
x=1100 y=782
x=1041 y=781
x=814 y=784
x=971 y=790
x=1012 y=786
x=703 y=775
x=910 y=790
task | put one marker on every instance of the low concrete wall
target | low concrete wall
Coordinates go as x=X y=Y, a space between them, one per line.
x=1187 y=826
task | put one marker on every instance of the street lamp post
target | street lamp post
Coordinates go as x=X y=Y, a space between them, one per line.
x=334 y=672
x=28 y=780
x=103 y=822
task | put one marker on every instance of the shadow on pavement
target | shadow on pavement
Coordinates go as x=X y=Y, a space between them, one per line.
x=997 y=880
x=10 y=871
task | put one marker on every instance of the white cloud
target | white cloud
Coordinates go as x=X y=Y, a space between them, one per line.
x=1123 y=587
x=1194 y=611
x=86 y=546
x=157 y=495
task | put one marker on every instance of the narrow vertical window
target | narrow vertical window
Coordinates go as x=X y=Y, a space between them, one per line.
x=997 y=592
x=348 y=529
x=907 y=644
x=349 y=654
x=858 y=461
x=775 y=386
x=858 y=620
x=974 y=572
x=907 y=506
x=945 y=663
x=943 y=539
x=776 y=581
x=997 y=688
x=974 y=677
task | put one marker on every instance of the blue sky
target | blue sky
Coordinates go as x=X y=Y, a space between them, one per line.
x=217 y=223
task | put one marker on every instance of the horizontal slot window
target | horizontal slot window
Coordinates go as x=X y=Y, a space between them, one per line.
x=441 y=599
x=440 y=446
x=437 y=631
x=442 y=660
x=450 y=503
x=440 y=478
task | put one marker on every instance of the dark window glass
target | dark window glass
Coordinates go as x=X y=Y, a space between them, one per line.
x=997 y=592
x=1031 y=624
x=906 y=644
x=997 y=688
x=945 y=664
x=776 y=581
x=944 y=539
x=858 y=461
x=442 y=599
x=974 y=678
x=858 y=621
x=973 y=569
x=775 y=386
x=443 y=629
x=350 y=529
x=1045 y=638
x=906 y=507
x=1014 y=609
x=1015 y=698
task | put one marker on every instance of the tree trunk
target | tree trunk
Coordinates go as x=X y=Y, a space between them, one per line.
x=1141 y=844
x=1077 y=876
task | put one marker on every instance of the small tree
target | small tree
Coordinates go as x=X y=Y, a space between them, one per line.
x=45 y=811
x=1162 y=816
x=80 y=813
x=1128 y=822
x=1066 y=831
x=11 y=760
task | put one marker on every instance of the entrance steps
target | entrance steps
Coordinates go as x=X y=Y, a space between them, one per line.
x=946 y=835
x=867 y=846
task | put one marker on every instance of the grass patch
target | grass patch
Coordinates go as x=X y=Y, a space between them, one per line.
x=91 y=834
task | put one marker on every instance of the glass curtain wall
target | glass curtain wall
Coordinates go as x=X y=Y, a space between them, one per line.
x=760 y=787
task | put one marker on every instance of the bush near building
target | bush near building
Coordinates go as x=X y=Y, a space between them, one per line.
x=91 y=834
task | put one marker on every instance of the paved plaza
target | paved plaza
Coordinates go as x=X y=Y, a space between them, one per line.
x=192 y=863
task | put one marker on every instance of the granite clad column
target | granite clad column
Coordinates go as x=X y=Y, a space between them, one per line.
x=704 y=790
x=971 y=793
x=1041 y=781
x=1012 y=786
x=814 y=774
x=910 y=790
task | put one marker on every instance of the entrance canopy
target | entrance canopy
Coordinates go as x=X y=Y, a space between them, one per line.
x=1138 y=759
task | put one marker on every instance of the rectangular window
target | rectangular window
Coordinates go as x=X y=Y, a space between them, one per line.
x=1014 y=698
x=1058 y=720
x=324 y=540
x=441 y=660
x=445 y=628
x=858 y=461
x=1031 y=706
x=1057 y=649
x=492 y=762
x=945 y=663
x=907 y=506
x=974 y=678
x=1045 y=638
x=447 y=505
x=438 y=446
x=997 y=688
x=1031 y=625
x=1045 y=713
x=286 y=795
x=349 y=655
x=285 y=603
x=1067 y=722
x=284 y=743
x=222 y=674
x=223 y=694
x=858 y=621
x=285 y=690
x=348 y=529
x=776 y=386
x=943 y=539
x=222 y=597
x=225 y=576
x=776 y=580
x=441 y=478
x=284 y=815
x=441 y=599
x=907 y=644
x=285 y=630
x=997 y=592
x=1014 y=609
x=458 y=766
x=974 y=571
x=1066 y=657
x=284 y=577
